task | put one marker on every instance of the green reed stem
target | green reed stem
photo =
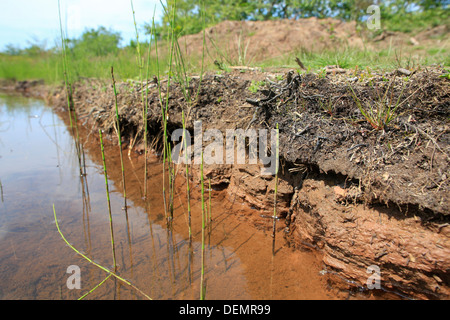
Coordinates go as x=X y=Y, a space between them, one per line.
x=94 y=288
x=163 y=119
x=202 y=277
x=69 y=94
x=209 y=213
x=276 y=191
x=188 y=192
x=119 y=136
x=94 y=263
x=109 y=201
x=164 y=110
x=146 y=110
x=144 y=100
x=171 y=181
x=64 y=60
x=203 y=49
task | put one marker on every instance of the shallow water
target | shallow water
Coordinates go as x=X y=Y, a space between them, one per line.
x=39 y=168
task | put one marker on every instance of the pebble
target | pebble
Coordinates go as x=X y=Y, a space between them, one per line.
x=403 y=71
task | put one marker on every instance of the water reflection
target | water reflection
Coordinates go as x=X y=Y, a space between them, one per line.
x=40 y=165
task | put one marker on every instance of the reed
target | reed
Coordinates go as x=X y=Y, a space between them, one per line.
x=109 y=202
x=209 y=207
x=188 y=191
x=171 y=172
x=95 y=288
x=181 y=72
x=112 y=273
x=65 y=68
x=69 y=93
x=146 y=109
x=188 y=195
x=165 y=106
x=163 y=120
x=119 y=136
x=144 y=100
x=202 y=276
x=274 y=226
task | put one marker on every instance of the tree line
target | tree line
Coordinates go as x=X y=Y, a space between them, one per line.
x=192 y=13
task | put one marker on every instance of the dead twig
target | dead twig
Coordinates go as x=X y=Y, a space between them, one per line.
x=417 y=129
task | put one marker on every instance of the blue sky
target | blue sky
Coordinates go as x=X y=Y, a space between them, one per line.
x=29 y=21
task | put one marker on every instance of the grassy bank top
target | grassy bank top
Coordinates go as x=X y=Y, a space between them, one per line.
x=277 y=39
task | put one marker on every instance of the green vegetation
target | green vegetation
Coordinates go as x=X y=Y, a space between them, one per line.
x=380 y=112
x=274 y=217
x=109 y=272
x=394 y=13
x=255 y=86
x=188 y=191
x=202 y=272
x=113 y=247
x=96 y=50
x=97 y=54
x=119 y=138
x=100 y=43
x=405 y=21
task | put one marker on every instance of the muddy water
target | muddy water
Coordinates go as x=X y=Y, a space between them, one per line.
x=39 y=168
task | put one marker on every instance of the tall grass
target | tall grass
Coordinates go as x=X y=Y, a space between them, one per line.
x=274 y=226
x=146 y=109
x=202 y=275
x=140 y=63
x=165 y=101
x=209 y=207
x=69 y=95
x=111 y=228
x=188 y=191
x=382 y=111
x=171 y=172
x=119 y=137
x=65 y=70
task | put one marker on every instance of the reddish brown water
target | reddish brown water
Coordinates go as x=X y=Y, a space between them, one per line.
x=39 y=167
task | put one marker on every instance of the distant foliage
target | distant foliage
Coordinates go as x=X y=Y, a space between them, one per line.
x=189 y=12
x=96 y=42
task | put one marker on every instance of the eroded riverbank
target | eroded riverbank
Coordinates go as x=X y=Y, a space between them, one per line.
x=366 y=197
x=40 y=168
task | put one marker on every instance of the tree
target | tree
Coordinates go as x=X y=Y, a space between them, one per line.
x=433 y=4
x=12 y=50
x=189 y=13
x=100 y=42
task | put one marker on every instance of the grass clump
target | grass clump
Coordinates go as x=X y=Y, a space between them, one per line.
x=379 y=113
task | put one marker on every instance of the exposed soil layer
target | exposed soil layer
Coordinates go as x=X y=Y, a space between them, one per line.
x=361 y=192
x=358 y=194
x=243 y=42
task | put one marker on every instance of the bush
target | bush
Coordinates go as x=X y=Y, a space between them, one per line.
x=100 y=42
